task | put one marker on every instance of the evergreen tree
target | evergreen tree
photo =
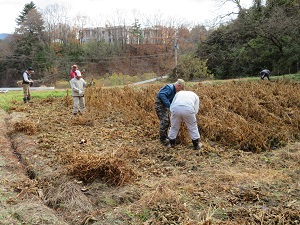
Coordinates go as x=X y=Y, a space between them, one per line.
x=29 y=45
x=137 y=32
x=24 y=13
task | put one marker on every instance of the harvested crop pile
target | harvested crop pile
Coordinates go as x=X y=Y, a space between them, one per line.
x=108 y=166
x=89 y=167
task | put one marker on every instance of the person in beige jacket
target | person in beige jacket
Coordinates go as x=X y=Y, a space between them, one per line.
x=77 y=85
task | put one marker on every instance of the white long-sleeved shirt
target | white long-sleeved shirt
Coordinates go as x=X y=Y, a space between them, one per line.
x=25 y=76
x=77 y=86
x=187 y=99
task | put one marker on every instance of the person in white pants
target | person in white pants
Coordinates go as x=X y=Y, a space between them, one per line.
x=185 y=107
x=78 y=84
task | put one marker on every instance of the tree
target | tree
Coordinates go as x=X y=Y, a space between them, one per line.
x=28 y=44
x=29 y=36
x=22 y=17
x=261 y=36
x=191 y=68
x=137 y=32
x=55 y=18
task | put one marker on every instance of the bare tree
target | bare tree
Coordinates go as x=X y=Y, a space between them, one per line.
x=54 y=16
x=236 y=7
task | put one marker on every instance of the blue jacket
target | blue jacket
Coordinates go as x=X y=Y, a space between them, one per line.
x=166 y=94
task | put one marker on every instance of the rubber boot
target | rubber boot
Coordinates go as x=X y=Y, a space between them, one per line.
x=172 y=143
x=164 y=140
x=25 y=100
x=28 y=99
x=196 y=144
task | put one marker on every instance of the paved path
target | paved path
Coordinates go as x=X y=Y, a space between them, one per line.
x=4 y=90
x=150 y=80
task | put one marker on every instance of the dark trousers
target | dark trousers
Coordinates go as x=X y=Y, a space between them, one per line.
x=162 y=113
x=263 y=75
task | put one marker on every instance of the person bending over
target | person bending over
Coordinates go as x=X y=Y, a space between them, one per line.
x=185 y=107
x=162 y=105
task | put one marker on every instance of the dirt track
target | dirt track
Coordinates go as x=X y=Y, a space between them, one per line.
x=13 y=172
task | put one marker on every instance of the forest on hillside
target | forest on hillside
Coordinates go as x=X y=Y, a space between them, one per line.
x=262 y=36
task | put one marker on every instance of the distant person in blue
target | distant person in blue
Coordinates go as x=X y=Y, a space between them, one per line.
x=265 y=73
x=162 y=107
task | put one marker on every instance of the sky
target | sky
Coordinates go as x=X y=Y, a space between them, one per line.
x=191 y=11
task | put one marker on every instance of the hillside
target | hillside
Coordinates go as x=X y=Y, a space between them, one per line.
x=108 y=167
x=3 y=36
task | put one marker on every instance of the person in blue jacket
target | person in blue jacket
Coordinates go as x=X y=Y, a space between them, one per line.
x=162 y=107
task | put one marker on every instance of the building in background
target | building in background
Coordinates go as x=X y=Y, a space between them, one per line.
x=126 y=35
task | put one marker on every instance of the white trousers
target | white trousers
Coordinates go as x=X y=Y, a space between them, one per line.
x=79 y=104
x=188 y=115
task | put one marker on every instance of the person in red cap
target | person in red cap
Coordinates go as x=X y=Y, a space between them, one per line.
x=27 y=82
x=73 y=71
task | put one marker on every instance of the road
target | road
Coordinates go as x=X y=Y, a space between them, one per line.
x=150 y=80
x=4 y=90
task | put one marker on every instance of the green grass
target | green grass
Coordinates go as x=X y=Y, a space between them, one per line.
x=295 y=77
x=8 y=98
x=114 y=80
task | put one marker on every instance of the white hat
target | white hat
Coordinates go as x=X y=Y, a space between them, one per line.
x=78 y=73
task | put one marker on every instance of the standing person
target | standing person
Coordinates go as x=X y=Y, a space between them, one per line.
x=26 y=83
x=185 y=107
x=162 y=105
x=265 y=73
x=73 y=71
x=78 y=84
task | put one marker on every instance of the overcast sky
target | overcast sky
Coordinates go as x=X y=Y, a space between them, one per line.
x=192 y=11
